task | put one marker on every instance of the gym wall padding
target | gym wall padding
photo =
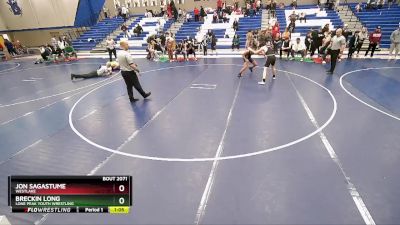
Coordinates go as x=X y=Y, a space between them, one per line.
x=88 y=12
x=39 y=14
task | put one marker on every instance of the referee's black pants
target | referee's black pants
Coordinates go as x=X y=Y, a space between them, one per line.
x=131 y=80
x=334 y=57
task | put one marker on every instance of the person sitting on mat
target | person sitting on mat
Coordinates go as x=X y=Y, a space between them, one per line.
x=102 y=71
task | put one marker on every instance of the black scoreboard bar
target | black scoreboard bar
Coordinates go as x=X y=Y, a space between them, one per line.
x=70 y=194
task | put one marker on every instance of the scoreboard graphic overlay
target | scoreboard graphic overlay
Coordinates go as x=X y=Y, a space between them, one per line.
x=70 y=194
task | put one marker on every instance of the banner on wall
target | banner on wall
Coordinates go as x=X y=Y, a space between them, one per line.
x=14 y=7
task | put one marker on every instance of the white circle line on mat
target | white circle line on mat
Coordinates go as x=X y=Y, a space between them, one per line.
x=358 y=99
x=210 y=158
x=3 y=71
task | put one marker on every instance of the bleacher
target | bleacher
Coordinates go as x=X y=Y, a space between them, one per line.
x=188 y=29
x=150 y=26
x=96 y=33
x=246 y=24
x=388 y=19
x=316 y=19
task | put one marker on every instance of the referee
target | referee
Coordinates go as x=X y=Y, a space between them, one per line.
x=129 y=71
x=338 y=43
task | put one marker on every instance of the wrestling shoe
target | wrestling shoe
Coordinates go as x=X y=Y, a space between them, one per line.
x=261 y=83
x=133 y=99
x=329 y=72
x=147 y=95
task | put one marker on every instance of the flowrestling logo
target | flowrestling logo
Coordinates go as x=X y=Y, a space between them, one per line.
x=14 y=7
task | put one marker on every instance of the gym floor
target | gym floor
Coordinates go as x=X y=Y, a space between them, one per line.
x=211 y=148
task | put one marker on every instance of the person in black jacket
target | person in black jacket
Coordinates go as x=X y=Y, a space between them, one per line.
x=235 y=25
x=354 y=40
x=315 y=42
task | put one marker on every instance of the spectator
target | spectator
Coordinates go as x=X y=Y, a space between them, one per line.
x=275 y=29
x=361 y=37
x=111 y=48
x=294 y=4
x=235 y=42
x=298 y=48
x=188 y=17
x=54 y=42
x=219 y=5
x=204 y=44
x=124 y=12
x=61 y=45
x=138 y=30
x=124 y=29
x=353 y=44
x=258 y=5
x=303 y=17
x=291 y=26
x=315 y=42
x=235 y=25
x=45 y=53
x=325 y=28
x=347 y=32
x=215 y=17
x=203 y=13
x=390 y=2
x=180 y=49
x=374 y=39
x=395 y=42
x=380 y=4
x=180 y=13
x=10 y=47
x=236 y=4
x=371 y=4
x=171 y=46
x=273 y=9
x=224 y=17
x=358 y=7
x=286 y=35
x=151 y=49
x=277 y=43
x=213 y=44
x=196 y=14
x=324 y=50
x=190 y=49
x=105 y=11
x=286 y=47
x=307 y=42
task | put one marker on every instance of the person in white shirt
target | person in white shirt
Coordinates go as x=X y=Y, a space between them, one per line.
x=111 y=48
x=101 y=71
x=298 y=48
x=61 y=46
x=124 y=12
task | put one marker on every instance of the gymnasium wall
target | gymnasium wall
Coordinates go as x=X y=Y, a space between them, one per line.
x=36 y=38
x=32 y=14
x=2 y=24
